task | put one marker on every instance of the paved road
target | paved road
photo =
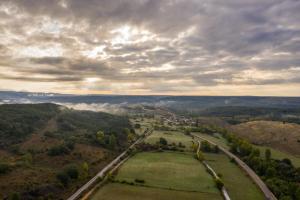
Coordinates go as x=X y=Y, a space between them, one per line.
x=268 y=194
x=105 y=170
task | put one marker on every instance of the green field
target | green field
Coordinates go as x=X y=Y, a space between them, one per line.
x=171 y=137
x=167 y=175
x=236 y=181
x=168 y=170
x=115 y=191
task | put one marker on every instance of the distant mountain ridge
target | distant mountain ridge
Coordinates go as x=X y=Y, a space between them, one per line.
x=194 y=102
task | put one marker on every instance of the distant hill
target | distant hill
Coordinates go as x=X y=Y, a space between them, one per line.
x=240 y=114
x=279 y=135
x=192 y=103
x=40 y=141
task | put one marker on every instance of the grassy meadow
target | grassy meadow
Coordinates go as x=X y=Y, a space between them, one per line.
x=171 y=137
x=168 y=170
x=116 y=191
x=238 y=184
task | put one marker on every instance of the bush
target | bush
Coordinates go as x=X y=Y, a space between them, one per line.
x=4 y=168
x=63 y=178
x=58 y=150
x=72 y=172
x=14 y=196
x=139 y=181
x=233 y=160
x=137 y=126
x=163 y=141
x=219 y=183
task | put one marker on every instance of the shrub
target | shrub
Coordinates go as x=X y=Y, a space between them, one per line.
x=14 y=196
x=63 y=178
x=58 y=150
x=233 y=160
x=219 y=183
x=139 y=181
x=4 y=168
x=72 y=171
x=163 y=141
x=137 y=126
x=200 y=156
x=49 y=134
x=216 y=149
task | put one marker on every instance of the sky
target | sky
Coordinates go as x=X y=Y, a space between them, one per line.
x=148 y=47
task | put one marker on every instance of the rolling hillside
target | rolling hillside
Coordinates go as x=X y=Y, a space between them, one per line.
x=48 y=150
x=279 y=135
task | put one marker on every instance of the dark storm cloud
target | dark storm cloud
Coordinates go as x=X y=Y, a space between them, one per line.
x=202 y=43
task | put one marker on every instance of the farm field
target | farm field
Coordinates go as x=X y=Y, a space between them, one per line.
x=168 y=170
x=166 y=175
x=236 y=181
x=171 y=137
x=115 y=191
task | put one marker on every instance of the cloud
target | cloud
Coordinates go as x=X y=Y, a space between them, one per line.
x=145 y=46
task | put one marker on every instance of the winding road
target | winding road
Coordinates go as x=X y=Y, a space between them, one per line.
x=268 y=194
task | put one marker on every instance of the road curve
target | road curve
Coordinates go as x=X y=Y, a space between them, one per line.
x=267 y=193
x=100 y=174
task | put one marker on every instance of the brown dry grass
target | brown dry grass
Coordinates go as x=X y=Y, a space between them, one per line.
x=279 y=135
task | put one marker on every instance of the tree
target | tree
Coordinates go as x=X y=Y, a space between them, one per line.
x=137 y=126
x=63 y=178
x=100 y=137
x=85 y=169
x=187 y=132
x=58 y=150
x=194 y=146
x=27 y=159
x=219 y=183
x=205 y=146
x=255 y=152
x=270 y=172
x=163 y=141
x=72 y=172
x=200 y=156
x=216 y=149
x=4 y=168
x=14 y=196
x=297 y=194
x=268 y=154
x=130 y=137
x=112 y=142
